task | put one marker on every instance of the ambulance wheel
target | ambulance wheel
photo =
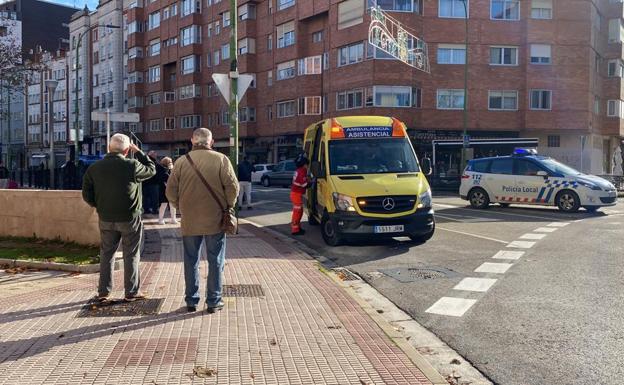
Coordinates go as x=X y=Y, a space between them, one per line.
x=568 y=201
x=312 y=221
x=329 y=230
x=479 y=198
x=266 y=182
x=504 y=204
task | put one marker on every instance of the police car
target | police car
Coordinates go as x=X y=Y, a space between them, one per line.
x=527 y=178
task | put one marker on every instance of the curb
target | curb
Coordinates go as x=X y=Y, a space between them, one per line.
x=71 y=268
x=395 y=335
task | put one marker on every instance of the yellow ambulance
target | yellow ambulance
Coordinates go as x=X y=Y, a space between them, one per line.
x=368 y=182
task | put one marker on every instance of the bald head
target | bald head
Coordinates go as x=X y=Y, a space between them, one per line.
x=202 y=137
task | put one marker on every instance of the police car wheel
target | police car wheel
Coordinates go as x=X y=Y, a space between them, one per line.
x=330 y=232
x=478 y=198
x=266 y=182
x=568 y=201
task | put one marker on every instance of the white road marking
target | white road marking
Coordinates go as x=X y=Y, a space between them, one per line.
x=496 y=268
x=472 y=235
x=466 y=218
x=533 y=236
x=521 y=244
x=447 y=206
x=558 y=224
x=499 y=212
x=455 y=307
x=545 y=229
x=506 y=254
x=475 y=284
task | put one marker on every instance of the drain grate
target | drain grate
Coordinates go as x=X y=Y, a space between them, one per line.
x=345 y=274
x=120 y=308
x=426 y=273
x=415 y=274
x=243 y=291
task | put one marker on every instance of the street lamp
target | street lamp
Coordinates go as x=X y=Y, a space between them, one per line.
x=77 y=120
x=51 y=86
x=464 y=155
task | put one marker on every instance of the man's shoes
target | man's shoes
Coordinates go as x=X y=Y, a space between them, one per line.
x=191 y=309
x=102 y=298
x=215 y=308
x=300 y=232
x=135 y=297
x=161 y=221
x=175 y=221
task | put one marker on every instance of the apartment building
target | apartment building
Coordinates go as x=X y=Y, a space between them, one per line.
x=97 y=38
x=546 y=69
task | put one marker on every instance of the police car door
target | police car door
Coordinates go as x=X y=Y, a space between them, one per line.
x=528 y=182
x=500 y=182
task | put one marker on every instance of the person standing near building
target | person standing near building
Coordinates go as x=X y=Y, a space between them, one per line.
x=244 y=180
x=4 y=172
x=150 y=186
x=167 y=164
x=113 y=186
x=299 y=186
x=197 y=181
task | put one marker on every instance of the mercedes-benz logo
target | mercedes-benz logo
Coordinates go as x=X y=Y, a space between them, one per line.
x=388 y=204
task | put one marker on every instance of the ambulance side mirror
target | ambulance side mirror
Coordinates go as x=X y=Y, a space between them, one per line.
x=542 y=174
x=315 y=169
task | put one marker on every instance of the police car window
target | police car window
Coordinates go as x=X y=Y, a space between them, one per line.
x=502 y=166
x=526 y=167
x=480 y=166
x=258 y=168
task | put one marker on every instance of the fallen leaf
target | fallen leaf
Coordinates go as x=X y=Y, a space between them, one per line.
x=272 y=341
x=252 y=375
x=204 y=372
x=380 y=311
x=455 y=361
x=61 y=336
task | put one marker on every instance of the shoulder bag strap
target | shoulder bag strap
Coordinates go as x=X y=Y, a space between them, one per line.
x=205 y=182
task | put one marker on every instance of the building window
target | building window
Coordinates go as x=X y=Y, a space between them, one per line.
x=286 y=34
x=615 y=68
x=541 y=9
x=247 y=114
x=615 y=108
x=310 y=105
x=399 y=5
x=225 y=16
x=217 y=27
x=153 y=20
x=554 y=141
x=392 y=96
x=154 y=125
x=190 y=35
x=286 y=109
x=169 y=97
x=350 y=13
x=270 y=78
x=190 y=64
x=135 y=27
x=310 y=65
x=190 y=121
x=348 y=100
x=451 y=54
x=190 y=6
x=453 y=8
x=225 y=51
x=616 y=31
x=217 y=58
x=247 y=45
x=283 y=4
x=135 y=77
x=153 y=74
x=540 y=54
x=153 y=98
x=317 y=37
x=154 y=48
x=450 y=100
x=503 y=100
x=169 y=123
x=286 y=70
x=350 y=54
x=247 y=12
x=541 y=99
x=505 y=9
x=188 y=92
x=504 y=56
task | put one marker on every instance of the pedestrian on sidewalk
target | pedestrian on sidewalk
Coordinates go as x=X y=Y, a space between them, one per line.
x=167 y=164
x=113 y=186
x=202 y=214
x=244 y=180
x=150 y=186
x=297 y=190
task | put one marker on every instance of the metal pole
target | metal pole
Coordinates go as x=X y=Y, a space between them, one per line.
x=107 y=128
x=233 y=110
x=464 y=154
x=51 y=89
x=9 y=163
x=77 y=120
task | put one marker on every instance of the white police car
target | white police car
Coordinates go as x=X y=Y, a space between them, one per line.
x=527 y=178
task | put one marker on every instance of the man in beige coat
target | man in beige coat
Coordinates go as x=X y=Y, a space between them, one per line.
x=201 y=214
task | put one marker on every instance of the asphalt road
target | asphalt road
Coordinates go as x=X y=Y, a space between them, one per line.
x=545 y=305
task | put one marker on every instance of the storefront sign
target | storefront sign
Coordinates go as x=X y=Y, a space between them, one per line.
x=387 y=34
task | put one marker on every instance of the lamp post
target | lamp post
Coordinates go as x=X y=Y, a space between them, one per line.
x=77 y=67
x=233 y=110
x=51 y=86
x=464 y=154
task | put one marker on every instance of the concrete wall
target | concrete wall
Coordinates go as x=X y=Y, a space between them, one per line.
x=48 y=214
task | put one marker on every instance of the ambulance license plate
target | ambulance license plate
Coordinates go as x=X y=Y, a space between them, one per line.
x=389 y=229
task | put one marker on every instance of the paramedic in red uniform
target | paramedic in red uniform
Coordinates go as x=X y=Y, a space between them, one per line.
x=299 y=185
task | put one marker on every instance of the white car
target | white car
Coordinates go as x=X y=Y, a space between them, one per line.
x=527 y=178
x=259 y=170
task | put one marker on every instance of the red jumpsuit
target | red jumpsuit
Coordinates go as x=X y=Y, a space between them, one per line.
x=299 y=185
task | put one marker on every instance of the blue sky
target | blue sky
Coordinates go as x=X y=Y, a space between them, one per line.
x=78 y=3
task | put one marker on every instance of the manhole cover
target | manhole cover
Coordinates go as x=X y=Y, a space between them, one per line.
x=426 y=273
x=121 y=308
x=243 y=291
x=415 y=274
x=345 y=274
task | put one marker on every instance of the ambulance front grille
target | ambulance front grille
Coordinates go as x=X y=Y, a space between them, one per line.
x=390 y=204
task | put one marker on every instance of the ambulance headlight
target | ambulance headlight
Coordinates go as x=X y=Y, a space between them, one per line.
x=589 y=185
x=343 y=202
x=424 y=200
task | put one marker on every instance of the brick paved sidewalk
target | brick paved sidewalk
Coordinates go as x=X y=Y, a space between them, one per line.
x=302 y=328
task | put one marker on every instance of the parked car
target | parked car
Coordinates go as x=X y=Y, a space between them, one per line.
x=260 y=170
x=282 y=174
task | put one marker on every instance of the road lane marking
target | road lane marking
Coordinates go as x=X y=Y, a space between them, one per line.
x=466 y=218
x=472 y=235
x=533 y=236
x=521 y=244
x=455 y=307
x=496 y=268
x=507 y=254
x=545 y=229
x=558 y=224
x=475 y=284
x=447 y=206
x=505 y=212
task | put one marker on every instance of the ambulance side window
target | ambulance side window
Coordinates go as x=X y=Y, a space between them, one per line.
x=502 y=166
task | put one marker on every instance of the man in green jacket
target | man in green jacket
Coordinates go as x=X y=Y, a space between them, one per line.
x=113 y=186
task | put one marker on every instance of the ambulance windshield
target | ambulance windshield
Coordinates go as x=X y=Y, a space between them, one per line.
x=367 y=156
x=559 y=168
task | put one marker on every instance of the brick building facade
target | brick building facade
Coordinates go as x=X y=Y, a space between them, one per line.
x=547 y=69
